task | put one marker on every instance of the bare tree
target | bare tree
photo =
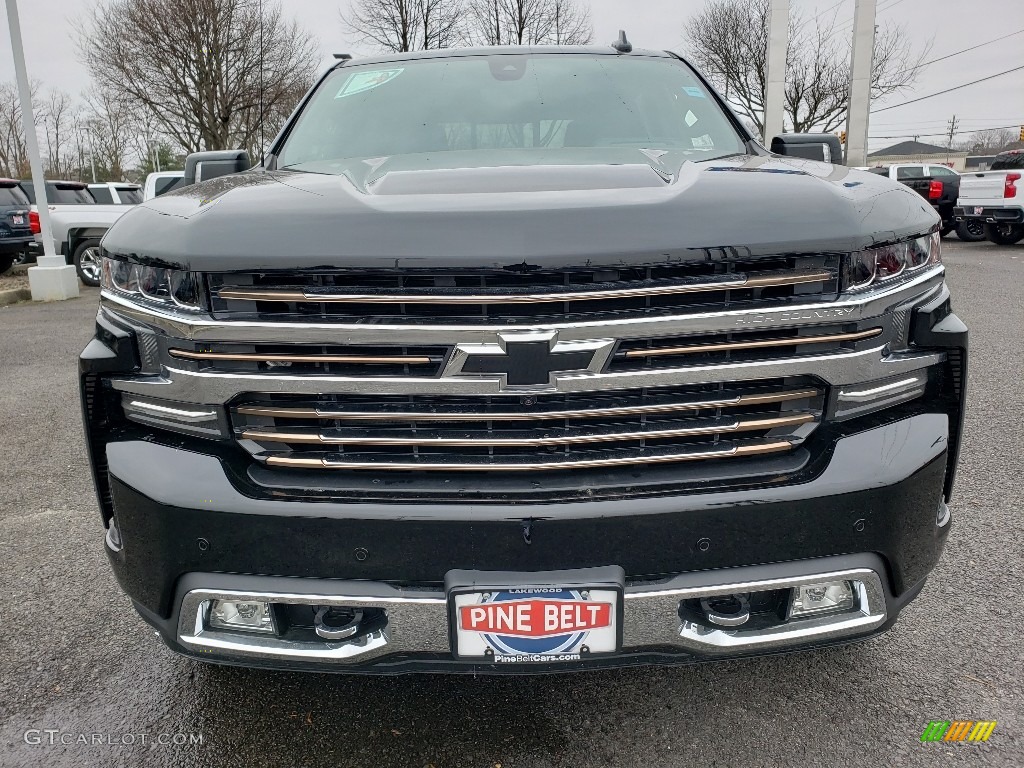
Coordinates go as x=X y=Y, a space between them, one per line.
x=990 y=140
x=13 y=152
x=570 y=23
x=728 y=41
x=112 y=121
x=211 y=72
x=58 y=115
x=406 y=25
x=529 y=22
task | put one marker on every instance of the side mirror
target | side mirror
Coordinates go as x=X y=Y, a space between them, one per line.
x=813 y=146
x=203 y=166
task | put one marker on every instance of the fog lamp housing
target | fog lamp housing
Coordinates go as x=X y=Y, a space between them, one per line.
x=823 y=599
x=242 y=615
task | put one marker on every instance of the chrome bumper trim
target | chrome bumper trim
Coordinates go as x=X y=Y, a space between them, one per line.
x=710 y=640
x=417 y=623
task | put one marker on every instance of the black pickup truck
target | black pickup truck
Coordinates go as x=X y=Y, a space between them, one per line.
x=940 y=186
x=513 y=360
x=15 y=226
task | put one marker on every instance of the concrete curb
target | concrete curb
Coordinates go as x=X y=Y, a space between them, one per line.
x=14 y=295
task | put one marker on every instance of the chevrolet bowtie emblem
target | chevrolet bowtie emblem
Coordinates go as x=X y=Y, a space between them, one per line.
x=529 y=360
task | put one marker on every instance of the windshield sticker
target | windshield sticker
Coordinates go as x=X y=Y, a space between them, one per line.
x=703 y=142
x=690 y=119
x=358 y=82
x=692 y=90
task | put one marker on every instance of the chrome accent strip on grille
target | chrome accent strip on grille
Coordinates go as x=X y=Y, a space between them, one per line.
x=869 y=304
x=753 y=280
x=763 y=344
x=179 y=414
x=752 y=449
x=866 y=395
x=203 y=387
x=185 y=354
x=426 y=441
x=656 y=408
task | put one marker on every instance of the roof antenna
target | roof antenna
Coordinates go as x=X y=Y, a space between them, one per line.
x=622 y=45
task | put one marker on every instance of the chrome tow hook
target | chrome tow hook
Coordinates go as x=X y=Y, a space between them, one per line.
x=726 y=610
x=336 y=623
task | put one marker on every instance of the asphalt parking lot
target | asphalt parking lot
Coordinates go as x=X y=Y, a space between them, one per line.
x=74 y=657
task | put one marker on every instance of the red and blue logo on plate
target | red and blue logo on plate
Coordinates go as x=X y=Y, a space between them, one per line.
x=535 y=621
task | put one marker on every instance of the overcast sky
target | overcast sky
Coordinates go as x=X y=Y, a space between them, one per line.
x=48 y=26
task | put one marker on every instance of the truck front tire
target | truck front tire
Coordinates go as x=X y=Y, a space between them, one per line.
x=87 y=261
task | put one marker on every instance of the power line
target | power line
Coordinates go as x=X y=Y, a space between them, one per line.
x=890 y=7
x=943 y=133
x=965 y=50
x=968 y=125
x=947 y=90
x=849 y=22
x=818 y=15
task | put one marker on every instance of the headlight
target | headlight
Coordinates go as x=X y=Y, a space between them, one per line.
x=170 y=288
x=877 y=265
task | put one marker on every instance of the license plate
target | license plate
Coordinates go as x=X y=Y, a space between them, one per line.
x=535 y=624
x=17 y=219
x=978 y=210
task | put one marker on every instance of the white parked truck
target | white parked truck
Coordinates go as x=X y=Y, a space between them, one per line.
x=996 y=198
x=78 y=223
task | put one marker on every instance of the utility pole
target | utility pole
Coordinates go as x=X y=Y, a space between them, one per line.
x=952 y=132
x=861 y=64
x=775 y=88
x=52 y=279
x=92 y=154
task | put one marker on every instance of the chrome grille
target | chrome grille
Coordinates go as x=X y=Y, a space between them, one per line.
x=523 y=294
x=737 y=346
x=428 y=361
x=527 y=433
x=309 y=359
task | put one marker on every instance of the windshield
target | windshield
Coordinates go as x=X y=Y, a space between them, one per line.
x=166 y=184
x=508 y=102
x=102 y=195
x=13 y=196
x=129 y=195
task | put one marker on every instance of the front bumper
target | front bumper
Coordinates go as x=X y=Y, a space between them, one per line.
x=875 y=510
x=415 y=637
x=186 y=521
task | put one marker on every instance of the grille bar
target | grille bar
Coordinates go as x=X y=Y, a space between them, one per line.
x=449 y=296
x=440 y=415
x=762 y=344
x=261 y=357
x=506 y=464
x=497 y=440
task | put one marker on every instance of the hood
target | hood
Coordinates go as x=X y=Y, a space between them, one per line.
x=543 y=209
